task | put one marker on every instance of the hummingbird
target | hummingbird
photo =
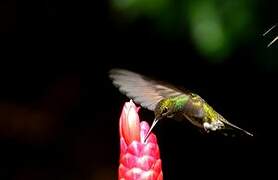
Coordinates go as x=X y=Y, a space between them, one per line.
x=168 y=101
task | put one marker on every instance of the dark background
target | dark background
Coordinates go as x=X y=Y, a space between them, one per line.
x=64 y=51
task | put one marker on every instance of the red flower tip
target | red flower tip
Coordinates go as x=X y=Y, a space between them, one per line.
x=130 y=123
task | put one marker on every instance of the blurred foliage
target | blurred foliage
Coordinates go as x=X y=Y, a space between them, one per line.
x=207 y=29
x=215 y=27
x=136 y=8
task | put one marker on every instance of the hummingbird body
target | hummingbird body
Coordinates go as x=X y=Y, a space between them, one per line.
x=190 y=107
x=168 y=101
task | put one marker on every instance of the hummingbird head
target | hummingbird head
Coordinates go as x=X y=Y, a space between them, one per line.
x=164 y=109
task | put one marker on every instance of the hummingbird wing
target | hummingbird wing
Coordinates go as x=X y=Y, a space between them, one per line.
x=144 y=91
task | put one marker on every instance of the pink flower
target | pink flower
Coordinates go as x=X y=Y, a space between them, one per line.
x=139 y=160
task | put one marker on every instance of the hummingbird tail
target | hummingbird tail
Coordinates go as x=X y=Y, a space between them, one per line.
x=237 y=128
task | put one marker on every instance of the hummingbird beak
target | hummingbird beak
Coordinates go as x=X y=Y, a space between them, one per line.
x=150 y=130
